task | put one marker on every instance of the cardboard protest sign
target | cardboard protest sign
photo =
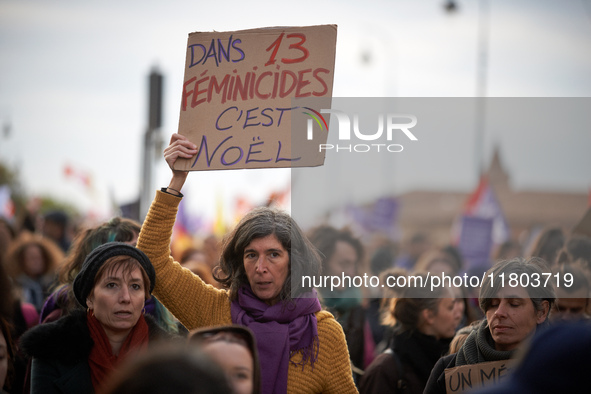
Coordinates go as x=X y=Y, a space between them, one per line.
x=470 y=377
x=237 y=96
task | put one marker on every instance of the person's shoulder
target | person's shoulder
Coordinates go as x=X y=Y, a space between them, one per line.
x=327 y=322
x=66 y=324
x=157 y=333
x=436 y=382
x=382 y=375
x=326 y=318
x=66 y=339
x=328 y=325
x=445 y=362
x=383 y=361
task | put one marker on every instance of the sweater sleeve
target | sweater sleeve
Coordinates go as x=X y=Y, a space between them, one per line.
x=190 y=300
x=334 y=356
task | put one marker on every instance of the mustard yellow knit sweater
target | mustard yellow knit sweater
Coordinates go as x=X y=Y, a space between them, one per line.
x=197 y=304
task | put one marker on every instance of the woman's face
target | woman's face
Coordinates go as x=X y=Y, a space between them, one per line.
x=34 y=264
x=236 y=361
x=343 y=260
x=117 y=299
x=447 y=318
x=512 y=317
x=266 y=263
x=570 y=306
x=3 y=360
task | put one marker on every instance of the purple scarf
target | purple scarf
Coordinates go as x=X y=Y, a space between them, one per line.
x=280 y=332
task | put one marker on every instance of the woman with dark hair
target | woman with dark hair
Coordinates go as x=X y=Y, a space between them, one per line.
x=78 y=352
x=260 y=227
x=62 y=300
x=548 y=244
x=234 y=349
x=513 y=313
x=577 y=248
x=423 y=321
x=442 y=261
x=301 y=348
x=342 y=254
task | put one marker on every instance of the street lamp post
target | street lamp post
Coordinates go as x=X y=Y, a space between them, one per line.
x=481 y=79
x=152 y=141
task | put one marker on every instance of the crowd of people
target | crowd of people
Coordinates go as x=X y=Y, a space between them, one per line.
x=110 y=310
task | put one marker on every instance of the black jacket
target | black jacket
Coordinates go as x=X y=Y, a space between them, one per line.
x=436 y=382
x=406 y=367
x=60 y=352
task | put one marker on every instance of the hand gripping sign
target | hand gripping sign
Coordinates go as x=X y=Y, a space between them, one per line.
x=236 y=103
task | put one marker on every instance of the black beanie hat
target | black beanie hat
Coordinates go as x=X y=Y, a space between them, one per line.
x=84 y=281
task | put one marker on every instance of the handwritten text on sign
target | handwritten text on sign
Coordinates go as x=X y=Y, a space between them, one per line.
x=236 y=103
x=473 y=376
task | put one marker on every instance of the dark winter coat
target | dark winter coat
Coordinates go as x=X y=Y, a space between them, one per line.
x=405 y=367
x=436 y=382
x=60 y=352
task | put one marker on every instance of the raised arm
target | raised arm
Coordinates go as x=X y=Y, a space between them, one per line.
x=184 y=294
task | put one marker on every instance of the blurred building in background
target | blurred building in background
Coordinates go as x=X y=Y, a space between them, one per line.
x=434 y=212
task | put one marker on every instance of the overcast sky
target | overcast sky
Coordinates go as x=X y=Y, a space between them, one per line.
x=73 y=82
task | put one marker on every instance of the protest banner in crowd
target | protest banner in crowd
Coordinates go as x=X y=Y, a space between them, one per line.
x=236 y=103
